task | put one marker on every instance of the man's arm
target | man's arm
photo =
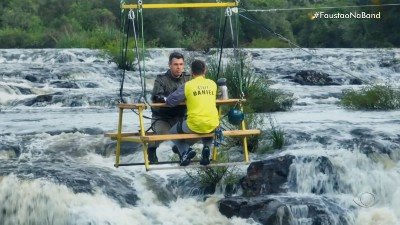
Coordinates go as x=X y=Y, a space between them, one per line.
x=177 y=96
x=158 y=90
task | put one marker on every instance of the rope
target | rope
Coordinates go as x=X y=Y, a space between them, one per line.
x=143 y=97
x=239 y=56
x=123 y=60
x=254 y=20
x=228 y=14
x=235 y=44
x=221 y=47
x=132 y=17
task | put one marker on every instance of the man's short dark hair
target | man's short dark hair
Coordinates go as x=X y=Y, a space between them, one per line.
x=198 y=67
x=175 y=55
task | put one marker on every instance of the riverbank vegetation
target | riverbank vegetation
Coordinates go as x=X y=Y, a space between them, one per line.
x=97 y=24
x=372 y=97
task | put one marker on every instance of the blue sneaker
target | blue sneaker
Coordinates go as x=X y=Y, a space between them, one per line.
x=187 y=157
x=205 y=156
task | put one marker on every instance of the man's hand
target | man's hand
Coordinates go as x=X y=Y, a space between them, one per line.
x=159 y=99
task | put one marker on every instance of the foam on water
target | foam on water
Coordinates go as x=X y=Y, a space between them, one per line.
x=54 y=131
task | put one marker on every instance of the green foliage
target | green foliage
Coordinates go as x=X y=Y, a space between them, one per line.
x=275 y=137
x=202 y=35
x=265 y=23
x=241 y=78
x=352 y=32
x=21 y=14
x=211 y=176
x=196 y=41
x=271 y=100
x=163 y=26
x=200 y=28
x=113 y=49
x=100 y=37
x=18 y=38
x=264 y=43
x=72 y=35
x=75 y=40
x=372 y=97
x=90 y=16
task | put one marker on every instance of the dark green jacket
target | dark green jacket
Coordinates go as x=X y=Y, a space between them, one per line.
x=164 y=85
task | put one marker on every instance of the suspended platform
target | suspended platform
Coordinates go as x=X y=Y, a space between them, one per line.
x=146 y=137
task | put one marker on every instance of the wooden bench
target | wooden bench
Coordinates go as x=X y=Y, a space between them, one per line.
x=146 y=137
x=149 y=137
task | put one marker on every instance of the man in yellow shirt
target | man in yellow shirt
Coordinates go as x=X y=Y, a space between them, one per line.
x=200 y=95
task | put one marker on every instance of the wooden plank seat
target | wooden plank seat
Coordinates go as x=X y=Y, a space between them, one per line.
x=152 y=137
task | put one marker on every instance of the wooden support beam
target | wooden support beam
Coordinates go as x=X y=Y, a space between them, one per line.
x=180 y=5
x=138 y=105
x=194 y=166
x=164 y=137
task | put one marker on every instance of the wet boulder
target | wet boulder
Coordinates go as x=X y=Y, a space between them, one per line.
x=267 y=176
x=64 y=84
x=279 y=175
x=280 y=209
x=39 y=99
x=312 y=77
x=8 y=150
x=355 y=81
x=31 y=78
x=81 y=178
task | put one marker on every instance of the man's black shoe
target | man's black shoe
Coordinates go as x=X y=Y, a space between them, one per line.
x=187 y=157
x=152 y=153
x=176 y=151
x=205 y=156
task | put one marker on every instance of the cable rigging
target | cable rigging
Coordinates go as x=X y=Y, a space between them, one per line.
x=124 y=50
x=235 y=43
x=322 y=7
x=281 y=37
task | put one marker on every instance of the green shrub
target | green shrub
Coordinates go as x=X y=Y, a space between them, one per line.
x=211 y=176
x=271 y=43
x=255 y=88
x=115 y=51
x=275 y=137
x=270 y=100
x=97 y=39
x=18 y=38
x=76 y=40
x=101 y=36
x=372 y=97
x=196 y=41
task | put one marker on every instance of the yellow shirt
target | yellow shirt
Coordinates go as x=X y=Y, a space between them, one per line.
x=201 y=95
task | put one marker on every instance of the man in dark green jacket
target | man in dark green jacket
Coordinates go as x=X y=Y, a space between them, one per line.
x=163 y=118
